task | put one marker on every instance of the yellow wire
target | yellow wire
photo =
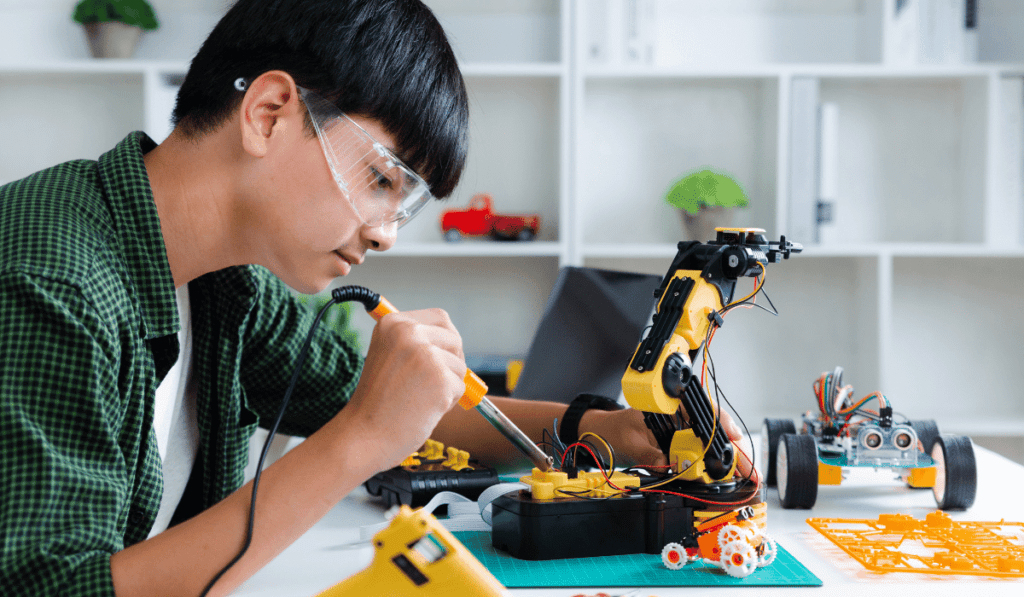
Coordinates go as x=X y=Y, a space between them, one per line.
x=757 y=288
x=611 y=455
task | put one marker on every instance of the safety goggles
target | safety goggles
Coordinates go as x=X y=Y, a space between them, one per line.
x=381 y=189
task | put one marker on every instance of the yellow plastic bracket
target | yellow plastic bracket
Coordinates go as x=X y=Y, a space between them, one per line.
x=686 y=453
x=829 y=474
x=457 y=459
x=512 y=371
x=557 y=484
x=432 y=450
x=922 y=477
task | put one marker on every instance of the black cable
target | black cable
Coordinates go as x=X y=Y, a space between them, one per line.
x=720 y=395
x=270 y=438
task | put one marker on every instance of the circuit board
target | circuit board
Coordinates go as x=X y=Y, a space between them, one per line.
x=428 y=472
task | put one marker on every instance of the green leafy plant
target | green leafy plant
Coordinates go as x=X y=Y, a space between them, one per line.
x=705 y=188
x=137 y=13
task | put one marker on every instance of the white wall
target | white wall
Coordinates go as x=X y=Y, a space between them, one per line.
x=44 y=30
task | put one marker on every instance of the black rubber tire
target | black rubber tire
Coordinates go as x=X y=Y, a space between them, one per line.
x=526 y=234
x=771 y=431
x=927 y=431
x=956 y=477
x=797 y=462
x=452 y=236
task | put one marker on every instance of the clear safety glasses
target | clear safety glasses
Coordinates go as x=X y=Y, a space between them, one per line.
x=381 y=189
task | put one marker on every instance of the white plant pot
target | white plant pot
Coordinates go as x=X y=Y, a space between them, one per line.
x=701 y=226
x=112 y=40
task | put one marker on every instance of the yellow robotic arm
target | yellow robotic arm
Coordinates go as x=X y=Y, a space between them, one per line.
x=659 y=380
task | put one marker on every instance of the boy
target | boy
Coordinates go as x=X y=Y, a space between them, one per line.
x=145 y=334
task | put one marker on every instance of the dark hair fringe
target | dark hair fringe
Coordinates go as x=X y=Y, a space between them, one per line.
x=389 y=60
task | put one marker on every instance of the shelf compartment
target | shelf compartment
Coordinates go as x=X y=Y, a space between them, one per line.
x=639 y=135
x=502 y=30
x=911 y=159
x=956 y=333
x=496 y=304
x=726 y=32
x=731 y=32
x=110 y=102
x=510 y=117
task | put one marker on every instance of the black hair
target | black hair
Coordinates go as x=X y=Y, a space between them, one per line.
x=388 y=60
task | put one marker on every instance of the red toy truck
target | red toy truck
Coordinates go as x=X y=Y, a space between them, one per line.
x=480 y=220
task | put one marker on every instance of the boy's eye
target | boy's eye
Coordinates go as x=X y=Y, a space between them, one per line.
x=382 y=181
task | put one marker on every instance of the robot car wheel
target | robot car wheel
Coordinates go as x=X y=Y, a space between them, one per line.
x=797 y=471
x=771 y=431
x=956 y=474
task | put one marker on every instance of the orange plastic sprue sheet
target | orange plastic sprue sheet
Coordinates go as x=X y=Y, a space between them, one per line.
x=935 y=545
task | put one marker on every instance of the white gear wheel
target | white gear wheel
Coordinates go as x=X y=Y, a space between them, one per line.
x=738 y=559
x=673 y=555
x=768 y=552
x=730 y=533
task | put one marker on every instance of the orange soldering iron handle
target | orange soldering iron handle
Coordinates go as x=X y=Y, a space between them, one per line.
x=476 y=389
x=384 y=307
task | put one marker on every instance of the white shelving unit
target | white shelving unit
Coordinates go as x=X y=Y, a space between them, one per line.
x=914 y=297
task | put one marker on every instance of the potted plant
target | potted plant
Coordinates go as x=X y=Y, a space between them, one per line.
x=113 y=27
x=706 y=199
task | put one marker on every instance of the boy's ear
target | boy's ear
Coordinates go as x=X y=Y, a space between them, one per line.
x=269 y=108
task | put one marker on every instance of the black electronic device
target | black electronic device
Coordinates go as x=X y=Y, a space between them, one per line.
x=532 y=529
x=587 y=334
x=414 y=485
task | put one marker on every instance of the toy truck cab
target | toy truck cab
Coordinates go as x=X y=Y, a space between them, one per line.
x=481 y=220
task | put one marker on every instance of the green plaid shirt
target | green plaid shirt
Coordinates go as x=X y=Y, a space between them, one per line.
x=88 y=328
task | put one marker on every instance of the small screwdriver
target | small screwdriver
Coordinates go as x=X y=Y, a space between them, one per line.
x=476 y=390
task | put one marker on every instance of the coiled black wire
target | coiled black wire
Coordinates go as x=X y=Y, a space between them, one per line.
x=370 y=300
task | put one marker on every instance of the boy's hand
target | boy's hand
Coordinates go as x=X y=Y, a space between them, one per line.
x=413 y=374
x=626 y=431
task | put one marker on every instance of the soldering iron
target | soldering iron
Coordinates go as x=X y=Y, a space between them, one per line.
x=476 y=390
x=475 y=396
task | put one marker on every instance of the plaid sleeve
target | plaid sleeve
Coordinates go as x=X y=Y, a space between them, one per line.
x=278 y=326
x=63 y=478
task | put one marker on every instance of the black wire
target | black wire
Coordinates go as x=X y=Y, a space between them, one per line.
x=750 y=301
x=720 y=395
x=266 y=448
x=583 y=495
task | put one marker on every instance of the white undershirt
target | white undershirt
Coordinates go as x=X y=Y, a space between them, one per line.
x=174 y=421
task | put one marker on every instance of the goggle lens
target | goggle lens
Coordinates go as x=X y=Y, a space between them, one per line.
x=381 y=189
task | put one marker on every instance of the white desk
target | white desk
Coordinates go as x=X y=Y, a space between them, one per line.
x=322 y=557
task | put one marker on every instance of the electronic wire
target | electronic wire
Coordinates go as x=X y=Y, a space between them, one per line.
x=266 y=447
x=608 y=447
x=836 y=407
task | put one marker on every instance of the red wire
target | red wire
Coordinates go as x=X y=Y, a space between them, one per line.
x=609 y=481
x=596 y=459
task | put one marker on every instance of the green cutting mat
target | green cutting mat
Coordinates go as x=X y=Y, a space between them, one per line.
x=635 y=570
